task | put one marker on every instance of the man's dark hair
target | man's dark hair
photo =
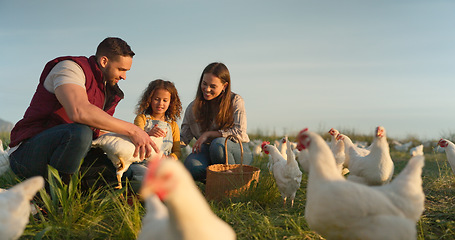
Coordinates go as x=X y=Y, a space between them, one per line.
x=112 y=47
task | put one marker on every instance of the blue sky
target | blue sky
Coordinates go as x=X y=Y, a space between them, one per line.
x=350 y=65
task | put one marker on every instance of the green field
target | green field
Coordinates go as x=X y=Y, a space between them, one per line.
x=102 y=213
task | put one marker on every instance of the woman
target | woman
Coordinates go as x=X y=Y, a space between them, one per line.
x=215 y=113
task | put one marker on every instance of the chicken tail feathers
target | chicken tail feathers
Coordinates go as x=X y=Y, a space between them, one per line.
x=413 y=169
x=29 y=187
x=416 y=163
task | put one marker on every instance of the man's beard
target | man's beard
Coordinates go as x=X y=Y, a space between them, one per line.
x=111 y=86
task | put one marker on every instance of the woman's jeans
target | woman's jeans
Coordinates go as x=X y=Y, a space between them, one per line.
x=213 y=153
x=62 y=147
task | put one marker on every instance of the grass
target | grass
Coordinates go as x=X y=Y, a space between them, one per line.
x=105 y=213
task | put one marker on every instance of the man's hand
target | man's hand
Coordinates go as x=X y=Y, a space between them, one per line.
x=144 y=144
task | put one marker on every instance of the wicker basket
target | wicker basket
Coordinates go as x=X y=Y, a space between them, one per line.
x=224 y=180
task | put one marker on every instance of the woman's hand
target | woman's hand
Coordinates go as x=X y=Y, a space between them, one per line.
x=198 y=144
x=157 y=132
x=205 y=137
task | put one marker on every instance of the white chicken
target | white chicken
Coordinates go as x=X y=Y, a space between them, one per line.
x=338 y=150
x=185 y=213
x=302 y=158
x=333 y=134
x=348 y=145
x=417 y=150
x=185 y=150
x=283 y=146
x=15 y=207
x=120 y=150
x=293 y=145
x=286 y=172
x=402 y=147
x=271 y=160
x=341 y=209
x=4 y=159
x=256 y=148
x=450 y=151
x=296 y=153
x=375 y=168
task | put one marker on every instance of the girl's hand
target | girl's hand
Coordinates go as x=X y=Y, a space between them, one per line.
x=157 y=132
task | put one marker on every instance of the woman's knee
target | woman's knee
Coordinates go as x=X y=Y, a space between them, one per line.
x=197 y=166
x=217 y=151
x=218 y=155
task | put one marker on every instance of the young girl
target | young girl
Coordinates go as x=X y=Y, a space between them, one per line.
x=157 y=112
x=215 y=113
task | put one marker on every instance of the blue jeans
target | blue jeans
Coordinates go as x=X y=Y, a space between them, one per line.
x=62 y=147
x=213 y=153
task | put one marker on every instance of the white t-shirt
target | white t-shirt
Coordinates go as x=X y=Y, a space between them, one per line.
x=64 y=72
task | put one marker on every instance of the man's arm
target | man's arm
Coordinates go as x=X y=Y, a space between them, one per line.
x=75 y=102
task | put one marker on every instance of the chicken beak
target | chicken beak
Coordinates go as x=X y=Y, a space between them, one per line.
x=379 y=132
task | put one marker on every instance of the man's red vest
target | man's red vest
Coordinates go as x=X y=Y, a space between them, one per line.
x=45 y=111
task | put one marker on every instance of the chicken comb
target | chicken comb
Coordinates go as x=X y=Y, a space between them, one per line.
x=443 y=143
x=263 y=145
x=304 y=130
x=300 y=146
x=339 y=136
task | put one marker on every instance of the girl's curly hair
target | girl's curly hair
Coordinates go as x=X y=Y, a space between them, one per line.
x=175 y=106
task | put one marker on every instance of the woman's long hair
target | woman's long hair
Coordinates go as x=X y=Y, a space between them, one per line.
x=175 y=106
x=218 y=110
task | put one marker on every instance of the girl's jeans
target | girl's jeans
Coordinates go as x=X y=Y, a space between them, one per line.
x=213 y=153
x=62 y=147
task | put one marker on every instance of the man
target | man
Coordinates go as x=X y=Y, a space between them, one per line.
x=75 y=99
